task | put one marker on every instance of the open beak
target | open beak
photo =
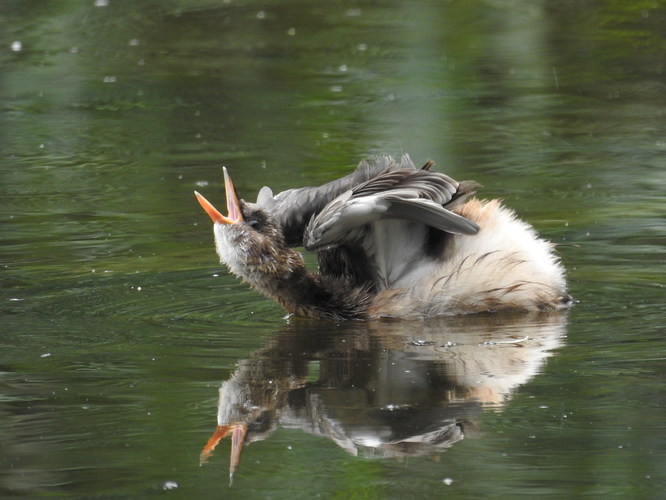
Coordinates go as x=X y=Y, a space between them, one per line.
x=238 y=432
x=233 y=205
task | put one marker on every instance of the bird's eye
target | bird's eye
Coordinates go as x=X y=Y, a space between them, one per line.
x=254 y=224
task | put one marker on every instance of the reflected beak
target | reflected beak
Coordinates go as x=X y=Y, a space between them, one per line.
x=233 y=205
x=238 y=432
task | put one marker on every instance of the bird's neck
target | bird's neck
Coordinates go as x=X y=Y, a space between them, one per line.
x=304 y=293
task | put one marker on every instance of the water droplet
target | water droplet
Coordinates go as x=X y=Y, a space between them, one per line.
x=17 y=46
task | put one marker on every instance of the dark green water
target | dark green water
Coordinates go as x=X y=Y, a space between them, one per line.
x=118 y=327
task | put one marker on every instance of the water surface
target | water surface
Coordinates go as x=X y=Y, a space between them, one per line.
x=119 y=327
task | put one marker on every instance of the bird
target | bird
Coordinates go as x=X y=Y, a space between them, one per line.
x=393 y=240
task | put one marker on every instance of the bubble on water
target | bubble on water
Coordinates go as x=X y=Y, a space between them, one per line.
x=17 y=46
x=170 y=485
x=101 y=3
x=447 y=481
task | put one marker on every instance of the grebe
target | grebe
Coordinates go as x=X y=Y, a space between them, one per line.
x=392 y=240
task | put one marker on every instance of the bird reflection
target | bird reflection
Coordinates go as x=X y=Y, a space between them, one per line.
x=385 y=389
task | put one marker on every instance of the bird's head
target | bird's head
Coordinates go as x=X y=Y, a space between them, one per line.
x=248 y=240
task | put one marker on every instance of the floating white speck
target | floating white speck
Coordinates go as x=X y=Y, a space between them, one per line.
x=101 y=3
x=170 y=485
x=110 y=79
x=362 y=47
x=134 y=42
x=261 y=14
x=202 y=183
x=17 y=46
x=291 y=31
x=45 y=355
x=447 y=481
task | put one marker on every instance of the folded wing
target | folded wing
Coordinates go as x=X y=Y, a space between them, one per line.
x=415 y=195
x=294 y=208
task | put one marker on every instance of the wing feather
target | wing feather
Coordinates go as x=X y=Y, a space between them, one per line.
x=419 y=196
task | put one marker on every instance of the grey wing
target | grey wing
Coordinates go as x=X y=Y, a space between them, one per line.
x=294 y=208
x=419 y=196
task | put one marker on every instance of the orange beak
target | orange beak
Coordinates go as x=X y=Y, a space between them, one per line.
x=233 y=205
x=238 y=432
